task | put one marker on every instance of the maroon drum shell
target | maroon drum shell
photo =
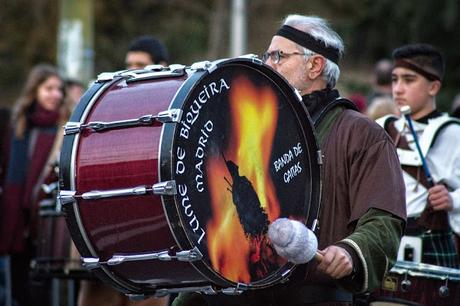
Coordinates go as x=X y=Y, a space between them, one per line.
x=124 y=158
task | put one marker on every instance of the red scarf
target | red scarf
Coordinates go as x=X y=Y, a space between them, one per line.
x=27 y=158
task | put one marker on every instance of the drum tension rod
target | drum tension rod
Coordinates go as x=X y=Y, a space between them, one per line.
x=168 y=116
x=162 y=188
x=187 y=255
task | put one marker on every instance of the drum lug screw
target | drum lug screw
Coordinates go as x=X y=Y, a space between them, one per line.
x=405 y=284
x=91 y=263
x=200 y=65
x=189 y=255
x=444 y=290
x=165 y=188
x=66 y=196
x=171 y=115
x=72 y=128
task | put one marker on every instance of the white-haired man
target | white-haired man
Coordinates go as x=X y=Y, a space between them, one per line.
x=362 y=214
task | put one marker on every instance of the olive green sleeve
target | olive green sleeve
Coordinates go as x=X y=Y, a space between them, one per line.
x=374 y=248
x=189 y=299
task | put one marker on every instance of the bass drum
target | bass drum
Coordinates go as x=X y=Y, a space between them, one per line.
x=169 y=176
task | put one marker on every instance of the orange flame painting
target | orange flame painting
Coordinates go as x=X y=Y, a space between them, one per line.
x=242 y=193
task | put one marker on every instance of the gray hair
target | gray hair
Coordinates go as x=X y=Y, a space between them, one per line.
x=320 y=29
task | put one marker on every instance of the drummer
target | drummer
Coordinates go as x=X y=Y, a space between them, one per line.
x=433 y=210
x=362 y=213
x=146 y=50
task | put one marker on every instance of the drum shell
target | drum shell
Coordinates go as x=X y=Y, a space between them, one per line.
x=123 y=157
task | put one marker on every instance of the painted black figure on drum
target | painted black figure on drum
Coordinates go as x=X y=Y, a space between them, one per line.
x=252 y=216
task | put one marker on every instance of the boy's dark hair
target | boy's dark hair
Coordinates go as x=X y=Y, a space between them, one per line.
x=152 y=46
x=422 y=56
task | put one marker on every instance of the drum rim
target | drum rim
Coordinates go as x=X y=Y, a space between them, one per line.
x=170 y=203
x=423 y=270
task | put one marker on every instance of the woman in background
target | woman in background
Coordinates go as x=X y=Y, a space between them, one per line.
x=38 y=113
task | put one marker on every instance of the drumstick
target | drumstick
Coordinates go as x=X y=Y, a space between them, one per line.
x=318 y=256
x=405 y=110
x=293 y=241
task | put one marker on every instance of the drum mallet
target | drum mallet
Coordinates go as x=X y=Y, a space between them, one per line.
x=293 y=241
x=405 y=110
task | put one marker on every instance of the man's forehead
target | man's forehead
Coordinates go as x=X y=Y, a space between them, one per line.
x=279 y=42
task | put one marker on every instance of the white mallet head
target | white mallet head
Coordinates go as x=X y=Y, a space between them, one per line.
x=292 y=240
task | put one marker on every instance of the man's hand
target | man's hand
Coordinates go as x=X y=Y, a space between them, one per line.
x=439 y=198
x=336 y=263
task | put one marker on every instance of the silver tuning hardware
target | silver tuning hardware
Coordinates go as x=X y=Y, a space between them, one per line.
x=253 y=57
x=204 y=65
x=155 y=67
x=117 y=259
x=106 y=76
x=153 y=72
x=444 y=289
x=172 y=115
x=49 y=189
x=240 y=287
x=163 y=188
x=97 y=194
x=66 y=196
x=177 y=68
x=405 y=284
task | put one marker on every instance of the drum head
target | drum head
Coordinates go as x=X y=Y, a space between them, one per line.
x=243 y=155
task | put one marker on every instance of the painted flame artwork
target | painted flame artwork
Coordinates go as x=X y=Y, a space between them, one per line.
x=235 y=252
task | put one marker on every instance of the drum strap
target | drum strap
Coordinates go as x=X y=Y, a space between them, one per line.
x=430 y=219
x=324 y=119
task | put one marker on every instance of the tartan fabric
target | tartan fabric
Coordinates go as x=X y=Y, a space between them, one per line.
x=438 y=248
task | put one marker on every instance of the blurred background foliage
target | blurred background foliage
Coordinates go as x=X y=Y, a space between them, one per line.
x=199 y=30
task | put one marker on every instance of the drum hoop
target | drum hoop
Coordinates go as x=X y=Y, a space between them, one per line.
x=166 y=172
x=71 y=142
x=426 y=270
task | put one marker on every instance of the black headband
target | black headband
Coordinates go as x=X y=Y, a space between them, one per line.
x=308 y=41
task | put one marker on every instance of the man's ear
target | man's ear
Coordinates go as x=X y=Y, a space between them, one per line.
x=434 y=88
x=317 y=63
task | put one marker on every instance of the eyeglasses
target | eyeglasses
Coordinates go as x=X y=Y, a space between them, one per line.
x=277 y=55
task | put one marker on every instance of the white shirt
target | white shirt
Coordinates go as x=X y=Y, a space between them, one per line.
x=443 y=161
